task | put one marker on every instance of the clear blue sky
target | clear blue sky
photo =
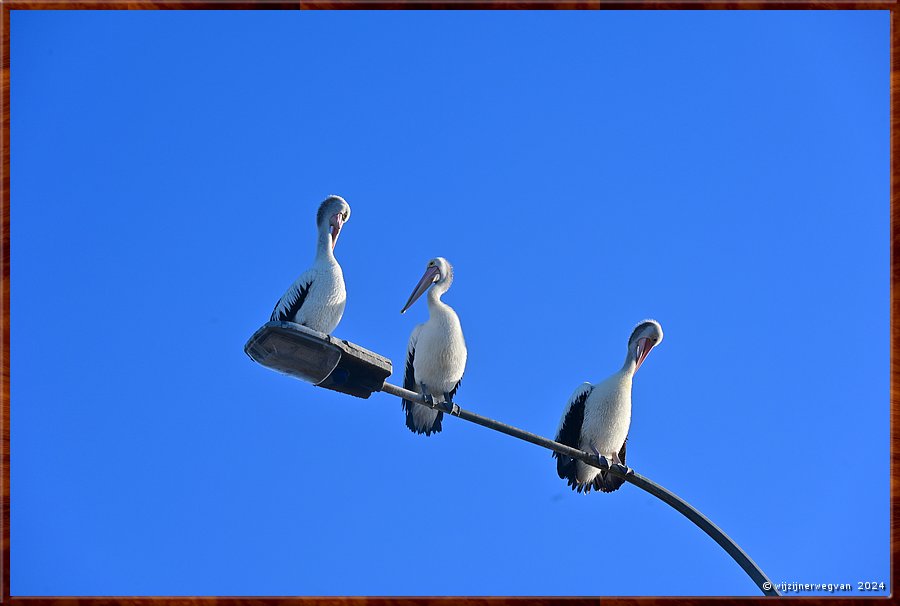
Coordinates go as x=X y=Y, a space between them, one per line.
x=724 y=173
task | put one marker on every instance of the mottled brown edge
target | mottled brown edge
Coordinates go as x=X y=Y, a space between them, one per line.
x=7 y=5
x=895 y=279
x=455 y=4
x=4 y=290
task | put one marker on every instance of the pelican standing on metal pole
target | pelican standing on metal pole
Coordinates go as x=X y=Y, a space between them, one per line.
x=436 y=356
x=317 y=298
x=597 y=418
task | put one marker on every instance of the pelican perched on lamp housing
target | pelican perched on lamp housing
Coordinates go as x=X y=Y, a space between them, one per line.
x=317 y=298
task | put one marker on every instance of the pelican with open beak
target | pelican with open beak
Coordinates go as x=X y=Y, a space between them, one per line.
x=317 y=298
x=436 y=355
x=597 y=418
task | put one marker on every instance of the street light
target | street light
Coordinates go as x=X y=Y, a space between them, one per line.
x=317 y=358
x=335 y=364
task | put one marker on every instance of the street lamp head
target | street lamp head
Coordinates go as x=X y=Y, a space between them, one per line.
x=317 y=358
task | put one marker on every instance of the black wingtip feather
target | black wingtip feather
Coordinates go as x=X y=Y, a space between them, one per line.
x=565 y=467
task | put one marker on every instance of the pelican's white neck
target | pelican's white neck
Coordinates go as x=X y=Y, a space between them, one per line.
x=434 y=296
x=324 y=252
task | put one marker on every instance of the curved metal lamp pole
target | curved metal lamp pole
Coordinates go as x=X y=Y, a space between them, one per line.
x=336 y=364
x=671 y=499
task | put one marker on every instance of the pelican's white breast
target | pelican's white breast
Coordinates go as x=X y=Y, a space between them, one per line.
x=440 y=351
x=607 y=415
x=327 y=297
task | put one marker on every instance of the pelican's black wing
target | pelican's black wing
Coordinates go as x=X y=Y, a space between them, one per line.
x=409 y=378
x=290 y=303
x=569 y=432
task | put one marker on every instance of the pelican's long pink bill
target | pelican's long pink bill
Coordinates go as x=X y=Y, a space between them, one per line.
x=337 y=222
x=426 y=281
x=643 y=349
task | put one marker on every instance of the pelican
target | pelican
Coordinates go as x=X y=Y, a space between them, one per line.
x=597 y=418
x=436 y=356
x=317 y=298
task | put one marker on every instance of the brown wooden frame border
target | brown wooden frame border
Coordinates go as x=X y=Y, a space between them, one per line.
x=7 y=5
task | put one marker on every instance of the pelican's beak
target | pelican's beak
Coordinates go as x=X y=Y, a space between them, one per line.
x=427 y=280
x=643 y=349
x=337 y=222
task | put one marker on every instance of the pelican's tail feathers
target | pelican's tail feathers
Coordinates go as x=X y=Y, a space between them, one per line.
x=421 y=419
x=566 y=468
x=607 y=482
